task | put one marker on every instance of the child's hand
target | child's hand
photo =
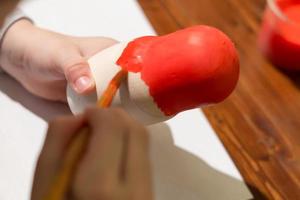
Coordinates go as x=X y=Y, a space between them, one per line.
x=115 y=165
x=42 y=61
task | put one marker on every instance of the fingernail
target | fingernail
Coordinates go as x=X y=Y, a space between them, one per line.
x=83 y=83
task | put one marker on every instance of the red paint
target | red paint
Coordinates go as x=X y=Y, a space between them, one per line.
x=280 y=39
x=185 y=69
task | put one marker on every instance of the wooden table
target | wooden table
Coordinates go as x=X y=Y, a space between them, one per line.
x=260 y=123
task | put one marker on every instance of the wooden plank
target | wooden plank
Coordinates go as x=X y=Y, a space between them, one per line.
x=260 y=123
x=5 y=8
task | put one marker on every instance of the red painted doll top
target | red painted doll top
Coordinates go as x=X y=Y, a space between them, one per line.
x=185 y=69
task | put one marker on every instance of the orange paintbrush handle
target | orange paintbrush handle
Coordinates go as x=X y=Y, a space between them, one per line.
x=76 y=149
x=109 y=93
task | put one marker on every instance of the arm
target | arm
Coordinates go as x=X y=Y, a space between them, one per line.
x=15 y=16
x=10 y=20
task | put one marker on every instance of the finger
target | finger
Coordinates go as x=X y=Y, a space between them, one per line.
x=75 y=65
x=138 y=159
x=135 y=162
x=99 y=168
x=107 y=140
x=59 y=135
x=79 y=76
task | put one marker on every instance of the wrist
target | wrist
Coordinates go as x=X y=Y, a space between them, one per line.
x=14 y=43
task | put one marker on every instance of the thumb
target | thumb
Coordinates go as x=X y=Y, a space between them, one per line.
x=76 y=68
x=79 y=76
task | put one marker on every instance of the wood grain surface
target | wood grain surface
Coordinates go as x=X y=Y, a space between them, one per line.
x=5 y=8
x=259 y=124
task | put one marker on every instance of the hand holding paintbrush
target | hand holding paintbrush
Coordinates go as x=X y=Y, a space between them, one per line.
x=108 y=159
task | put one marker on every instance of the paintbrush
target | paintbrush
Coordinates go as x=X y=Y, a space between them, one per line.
x=79 y=142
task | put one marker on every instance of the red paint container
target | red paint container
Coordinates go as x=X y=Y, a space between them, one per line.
x=279 y=38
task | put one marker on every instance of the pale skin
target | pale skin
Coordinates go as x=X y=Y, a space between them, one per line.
x=115 y=165
x=44 y=61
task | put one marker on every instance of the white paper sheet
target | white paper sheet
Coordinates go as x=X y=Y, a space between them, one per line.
x=189 y=162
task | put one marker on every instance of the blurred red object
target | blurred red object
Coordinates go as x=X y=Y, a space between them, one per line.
x=279 y=38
